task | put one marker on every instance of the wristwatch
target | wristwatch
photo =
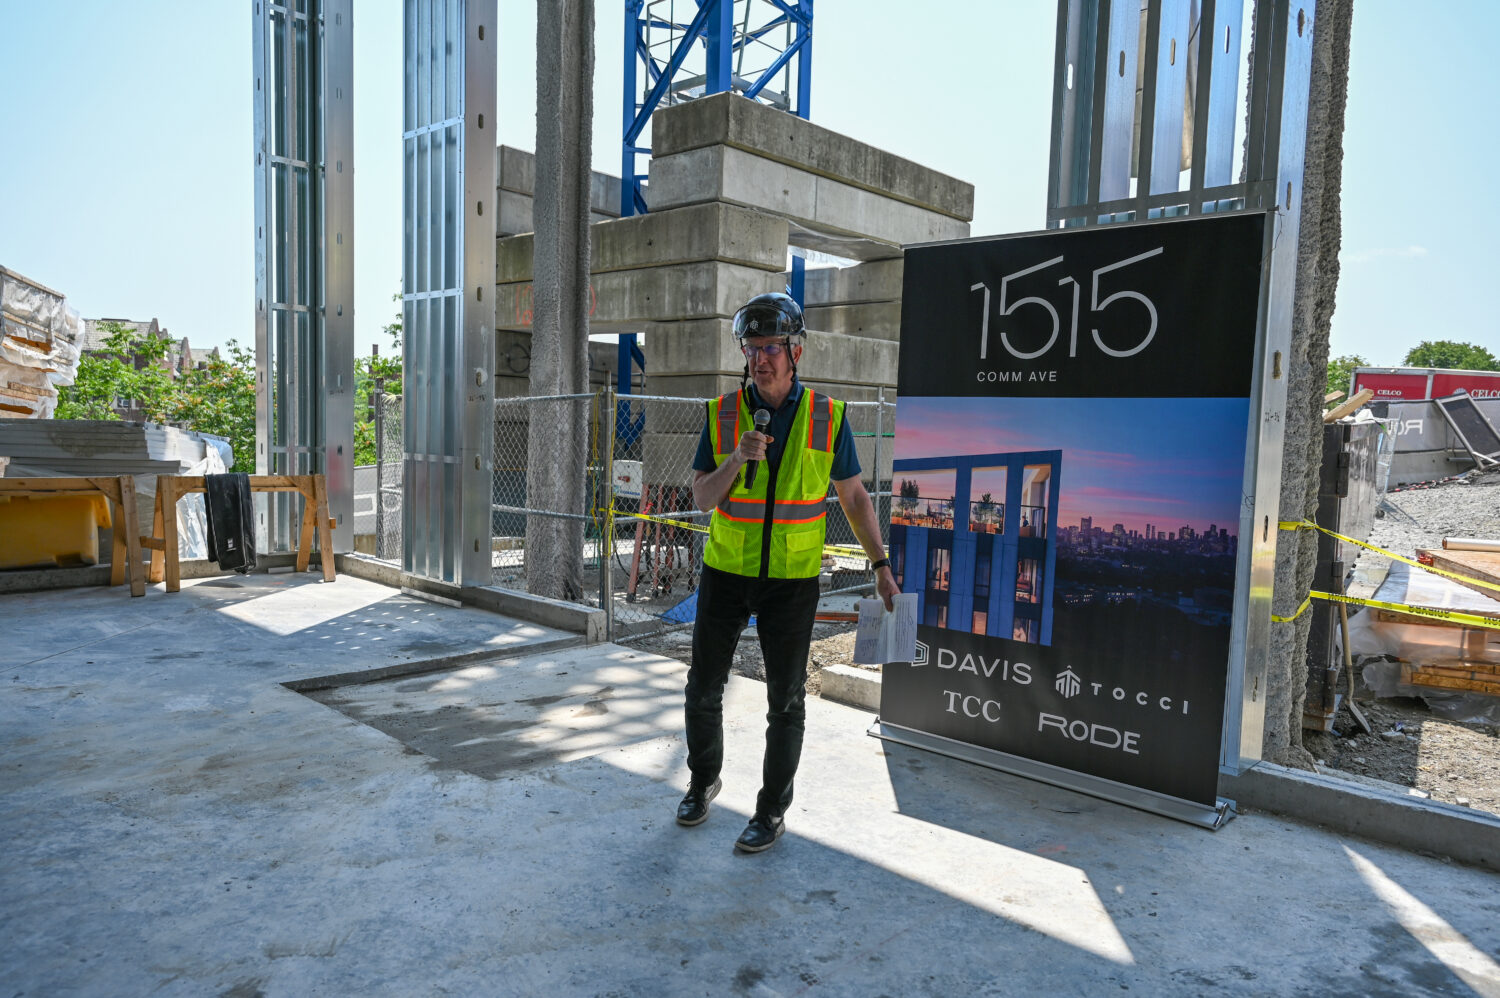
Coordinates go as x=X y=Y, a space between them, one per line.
x=880 y=563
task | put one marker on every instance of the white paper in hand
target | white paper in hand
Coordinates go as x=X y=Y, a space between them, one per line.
x=886 y=636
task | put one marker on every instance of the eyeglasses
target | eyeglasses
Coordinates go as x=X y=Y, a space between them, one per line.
x=769 y=350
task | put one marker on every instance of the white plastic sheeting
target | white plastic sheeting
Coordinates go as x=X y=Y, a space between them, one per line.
x=1388 y=650
x=40 y=341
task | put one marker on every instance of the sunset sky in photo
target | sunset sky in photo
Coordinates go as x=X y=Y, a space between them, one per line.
x=1166 y=462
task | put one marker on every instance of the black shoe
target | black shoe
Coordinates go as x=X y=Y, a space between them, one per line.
x=694 y=807
x=762 y=832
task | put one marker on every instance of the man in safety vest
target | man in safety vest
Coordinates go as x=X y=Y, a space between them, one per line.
x=767 y=488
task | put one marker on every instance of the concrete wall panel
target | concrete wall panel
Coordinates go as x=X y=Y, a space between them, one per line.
x=624 y=301
x=823 y=204
x=728 y=119
x=514 y=214
x=515 y=171
x=867 y=282
x=875 y=320
x=722 y=232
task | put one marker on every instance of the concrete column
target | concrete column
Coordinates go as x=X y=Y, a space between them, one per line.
x=558 y=437
x=1307 y=364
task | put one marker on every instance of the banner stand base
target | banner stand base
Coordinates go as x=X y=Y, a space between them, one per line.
x=1211 y=817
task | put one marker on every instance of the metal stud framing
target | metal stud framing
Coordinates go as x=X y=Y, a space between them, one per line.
x=304 y=256
x=1113 y=164
x=448 y=308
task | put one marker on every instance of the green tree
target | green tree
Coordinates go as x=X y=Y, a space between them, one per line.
x=1341 y=371
x=909 y=492
x=986 y=508
x=1451 y=354
x=219 y=398
x=366 y=370
x=110 y=377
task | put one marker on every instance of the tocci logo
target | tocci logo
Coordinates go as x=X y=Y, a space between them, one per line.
x=921 y=656
x=1068 y=683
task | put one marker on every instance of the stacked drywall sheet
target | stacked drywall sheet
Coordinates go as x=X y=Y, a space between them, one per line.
x=40 y=340
x=65 y=448
x=68 y=447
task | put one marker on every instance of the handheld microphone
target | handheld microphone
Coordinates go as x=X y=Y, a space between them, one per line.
x=762 y=420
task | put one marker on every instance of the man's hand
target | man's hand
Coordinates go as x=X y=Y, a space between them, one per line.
x=885 y=585
x=752 y=446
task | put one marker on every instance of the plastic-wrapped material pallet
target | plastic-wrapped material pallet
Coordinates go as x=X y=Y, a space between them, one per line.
x=1455 y=669
x=40 y=341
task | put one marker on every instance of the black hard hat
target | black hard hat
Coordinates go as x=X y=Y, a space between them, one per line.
x=773 y=314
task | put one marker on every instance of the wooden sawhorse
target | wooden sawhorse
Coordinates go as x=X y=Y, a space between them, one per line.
x=170 y=488
x=119 y=490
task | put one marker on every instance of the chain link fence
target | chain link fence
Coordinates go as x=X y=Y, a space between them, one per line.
x=637 y=536
x=592 y=501
x=388 y=474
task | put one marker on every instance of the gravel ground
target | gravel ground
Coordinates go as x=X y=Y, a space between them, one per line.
x=1413 y=747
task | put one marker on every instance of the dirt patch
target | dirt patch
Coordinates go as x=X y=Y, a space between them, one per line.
x=1415 y=749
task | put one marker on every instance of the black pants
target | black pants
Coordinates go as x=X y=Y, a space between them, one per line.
x=784 y=611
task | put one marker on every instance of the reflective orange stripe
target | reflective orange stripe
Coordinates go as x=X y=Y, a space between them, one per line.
x=799 y=510
x=783 y=511
x=744 y=510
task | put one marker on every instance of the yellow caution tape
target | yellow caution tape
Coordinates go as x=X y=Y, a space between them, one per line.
x=1452 y=616
x=1308 y=525
x=842 y=550
x=1282 y=620
x=684 y=524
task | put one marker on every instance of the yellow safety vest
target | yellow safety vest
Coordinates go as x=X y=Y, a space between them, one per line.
x=780 y=539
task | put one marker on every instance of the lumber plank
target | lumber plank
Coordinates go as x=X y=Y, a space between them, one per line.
x=325 y=526
x=1345 y=408
x=304 y=542
x=119 y=552
x=1491 y=687
x=158 y=549
x=166 y=491
x=1483 y=566
x=132 y=529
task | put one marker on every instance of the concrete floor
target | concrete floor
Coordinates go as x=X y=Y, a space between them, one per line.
x=176 y=821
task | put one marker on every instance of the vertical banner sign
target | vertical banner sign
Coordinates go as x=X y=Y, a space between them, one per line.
x=1067 y=491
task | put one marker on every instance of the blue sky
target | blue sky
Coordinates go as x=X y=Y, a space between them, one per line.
x=126 y=177
x=1166 y=462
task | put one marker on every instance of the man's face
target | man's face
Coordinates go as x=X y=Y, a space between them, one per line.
x=771 y=370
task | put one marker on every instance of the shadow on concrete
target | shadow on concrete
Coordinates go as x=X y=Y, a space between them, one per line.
x=1230 y=882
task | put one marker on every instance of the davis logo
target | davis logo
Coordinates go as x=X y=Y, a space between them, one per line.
x=921 y=656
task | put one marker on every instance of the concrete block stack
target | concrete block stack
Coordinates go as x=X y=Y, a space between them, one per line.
x=515 y=188
x=734 y=186
x=40 y=341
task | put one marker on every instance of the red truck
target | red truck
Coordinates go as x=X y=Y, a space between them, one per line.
x=1392 y=384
